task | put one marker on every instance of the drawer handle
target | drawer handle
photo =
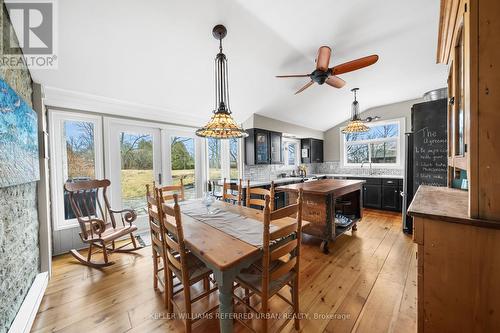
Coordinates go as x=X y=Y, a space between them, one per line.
x=390 y=182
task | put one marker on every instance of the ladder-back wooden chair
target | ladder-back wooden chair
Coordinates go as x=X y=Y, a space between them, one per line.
x=181 y=263
x=169 y=191
x=267 y=277
x=228 y=192
x=256 y=196
x=98 y=225
x=156 y=242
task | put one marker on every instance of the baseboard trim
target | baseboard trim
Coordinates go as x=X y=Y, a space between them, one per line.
x=27 y=313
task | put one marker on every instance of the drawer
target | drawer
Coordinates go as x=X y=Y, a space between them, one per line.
x=390 y=182
x=372 y=181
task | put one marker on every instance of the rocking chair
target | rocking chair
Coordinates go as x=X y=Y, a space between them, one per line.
x=97 y=221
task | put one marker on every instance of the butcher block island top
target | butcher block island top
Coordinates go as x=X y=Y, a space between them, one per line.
x=324 y=201
x=324 y=186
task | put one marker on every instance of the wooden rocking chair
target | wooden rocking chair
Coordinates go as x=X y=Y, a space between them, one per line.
x=97 y=221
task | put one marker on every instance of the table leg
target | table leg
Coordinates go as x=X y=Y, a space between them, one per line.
x=225 y=280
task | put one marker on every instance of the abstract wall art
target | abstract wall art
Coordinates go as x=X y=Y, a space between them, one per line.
x=18 y=139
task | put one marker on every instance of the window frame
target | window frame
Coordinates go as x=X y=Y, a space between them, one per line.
x=401 y=122
x=56 y=135
x=225 y=159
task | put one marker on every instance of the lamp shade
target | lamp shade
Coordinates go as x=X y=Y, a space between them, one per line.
x=221 y=126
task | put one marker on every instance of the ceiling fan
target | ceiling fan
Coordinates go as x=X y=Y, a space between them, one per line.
x=323 y=74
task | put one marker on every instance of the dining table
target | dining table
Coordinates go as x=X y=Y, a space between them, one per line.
x=225 y=252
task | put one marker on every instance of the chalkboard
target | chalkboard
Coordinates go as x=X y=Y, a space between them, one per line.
x=430 y=143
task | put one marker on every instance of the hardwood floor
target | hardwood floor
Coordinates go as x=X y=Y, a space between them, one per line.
x=366 y=284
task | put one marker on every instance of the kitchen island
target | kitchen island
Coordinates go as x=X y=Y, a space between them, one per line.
x=322 y=199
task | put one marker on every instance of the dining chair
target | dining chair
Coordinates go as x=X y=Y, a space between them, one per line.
x=278 y=268
x=256 y=196
x=181 y=263
x=228 y=192
x=98 y=221
x=169 y=191
x=156 y=242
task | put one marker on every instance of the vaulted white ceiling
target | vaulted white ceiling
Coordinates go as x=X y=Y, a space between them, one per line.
x=155 y=57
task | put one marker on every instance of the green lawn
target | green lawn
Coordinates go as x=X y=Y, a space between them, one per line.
x=134 y=181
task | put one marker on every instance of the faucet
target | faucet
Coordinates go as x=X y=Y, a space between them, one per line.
x=363 y=163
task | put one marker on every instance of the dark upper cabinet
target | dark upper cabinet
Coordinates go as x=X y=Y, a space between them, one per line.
x=314 y=149
x=372 y=196
x=263 y=147
x=276 y=148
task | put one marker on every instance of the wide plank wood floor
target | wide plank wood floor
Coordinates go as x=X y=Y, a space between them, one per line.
x=366 y=284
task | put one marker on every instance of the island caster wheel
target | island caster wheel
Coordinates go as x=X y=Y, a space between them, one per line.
x=354 y=227
x=324 y=247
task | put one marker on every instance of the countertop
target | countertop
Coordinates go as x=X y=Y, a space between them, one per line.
x=258 y=183
x=358 y=176
x=445 y=204
x=325 y=186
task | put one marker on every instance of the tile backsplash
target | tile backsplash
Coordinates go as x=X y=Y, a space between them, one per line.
x=271 y=172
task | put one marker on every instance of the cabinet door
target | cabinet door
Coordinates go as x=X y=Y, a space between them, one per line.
x=317 y=151
x=372 y=196
x=276 y=148
x=390 y=197
x=306 y=144
x=262 y=147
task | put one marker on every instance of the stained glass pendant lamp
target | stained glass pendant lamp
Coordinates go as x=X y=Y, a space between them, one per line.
x=221 y=124
x=355 y=125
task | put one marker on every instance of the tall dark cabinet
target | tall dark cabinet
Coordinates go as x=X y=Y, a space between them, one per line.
x=263 y=147
x=314 y=149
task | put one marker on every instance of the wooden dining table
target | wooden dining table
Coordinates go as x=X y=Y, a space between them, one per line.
x=224 y=254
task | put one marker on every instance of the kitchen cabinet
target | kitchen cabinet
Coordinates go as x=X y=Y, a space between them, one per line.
x=263 y=147
x=382 y=193
x=276 y=147
x=372 y=196
x=314 y=149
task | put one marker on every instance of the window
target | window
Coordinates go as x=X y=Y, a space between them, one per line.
x=183 y=164
x=214 y=159
x=76 y=154
x=291 y=151
x=380 y=145
x=234 y=172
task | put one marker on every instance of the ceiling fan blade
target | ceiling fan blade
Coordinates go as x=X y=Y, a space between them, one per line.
x=293 y=75
x=305 y=87
x=335 y=81
x=354 y=65
x=323 y=58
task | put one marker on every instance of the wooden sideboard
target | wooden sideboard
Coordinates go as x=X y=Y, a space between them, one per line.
x=458 y=263
x=469 y=42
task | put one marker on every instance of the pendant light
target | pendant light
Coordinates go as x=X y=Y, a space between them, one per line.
x=221 y=124
x=355 y=125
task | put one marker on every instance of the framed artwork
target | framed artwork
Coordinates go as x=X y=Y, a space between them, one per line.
x=18 y=139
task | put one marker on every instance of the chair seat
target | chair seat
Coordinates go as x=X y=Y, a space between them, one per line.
x=196 y=268
x=252 y=277
x=111 y=233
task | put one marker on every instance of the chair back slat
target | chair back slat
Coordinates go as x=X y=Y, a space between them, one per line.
x=85 y=200
x=169 y=191
x=172 y=244
x=256 y=196
x=283 y=250
x=283 y=269
x=174 y=261
x=283 y=232
x=228 y=190
x=287 y=211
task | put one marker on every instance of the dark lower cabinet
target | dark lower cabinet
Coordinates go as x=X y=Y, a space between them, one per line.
x=372 y=196
x=382 y=193
x=390 y=198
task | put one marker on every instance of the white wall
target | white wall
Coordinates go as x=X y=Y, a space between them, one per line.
x=258 y=121
x=386 y=112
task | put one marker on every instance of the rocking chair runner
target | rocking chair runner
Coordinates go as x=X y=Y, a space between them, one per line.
x=97 y=221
